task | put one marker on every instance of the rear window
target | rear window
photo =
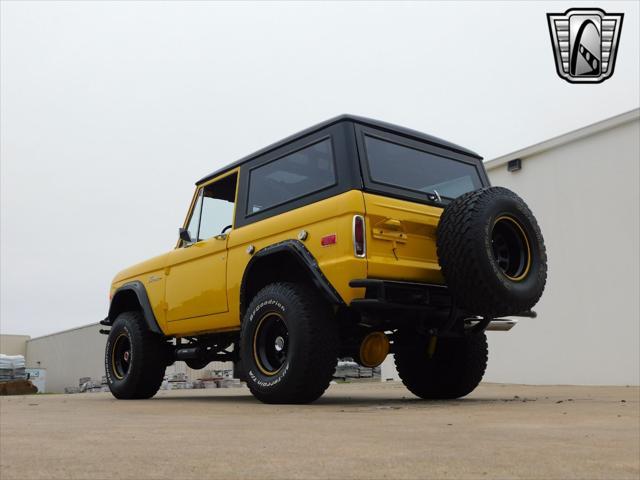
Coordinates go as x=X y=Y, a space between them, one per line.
x=306 y=171
x=407 y=168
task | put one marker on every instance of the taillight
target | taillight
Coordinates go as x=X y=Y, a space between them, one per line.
x=359 y=245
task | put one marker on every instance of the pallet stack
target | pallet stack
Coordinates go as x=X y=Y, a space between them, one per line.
x=12 y=368
x=348 y=369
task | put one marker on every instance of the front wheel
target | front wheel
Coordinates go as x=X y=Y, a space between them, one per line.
x=288 y=344
x=454 y=370
x=135 y=359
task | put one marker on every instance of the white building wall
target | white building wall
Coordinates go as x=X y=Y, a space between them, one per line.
x=13 y=344
x=585 y=195
x=68 y=355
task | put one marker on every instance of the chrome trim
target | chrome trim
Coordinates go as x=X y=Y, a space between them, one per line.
x=364 y=236
x=499 y=325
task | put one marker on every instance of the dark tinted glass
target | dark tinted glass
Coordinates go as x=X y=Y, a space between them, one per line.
x=404 y=167
x=290 y=177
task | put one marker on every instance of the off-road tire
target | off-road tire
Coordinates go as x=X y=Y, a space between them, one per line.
x=148 y=358
x=465 y=252
x=455 y=369
x=312 y=344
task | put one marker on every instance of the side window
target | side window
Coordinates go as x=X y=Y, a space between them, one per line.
x=292 y=176
x=213 y=212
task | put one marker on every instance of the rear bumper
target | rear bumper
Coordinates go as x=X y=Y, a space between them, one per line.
x=390 y=295
x=397 y=295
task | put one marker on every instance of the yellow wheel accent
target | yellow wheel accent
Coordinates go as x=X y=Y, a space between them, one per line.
x=374 y=349
x=511 y=248
x=120 y=356
x=270 y=344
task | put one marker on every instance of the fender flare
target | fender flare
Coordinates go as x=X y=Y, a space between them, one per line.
x=305 y=259
x=143 y=299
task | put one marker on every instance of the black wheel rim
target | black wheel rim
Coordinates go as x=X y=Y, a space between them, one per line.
x=121 y=356
x=511 y=250
x=271 y=344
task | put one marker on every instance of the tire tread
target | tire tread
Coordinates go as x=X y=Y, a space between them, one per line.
x=315 y=368
x=458 y=234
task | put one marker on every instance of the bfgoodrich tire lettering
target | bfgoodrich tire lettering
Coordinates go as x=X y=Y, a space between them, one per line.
x=482 y=279
x=292 y=362
x=135 y=359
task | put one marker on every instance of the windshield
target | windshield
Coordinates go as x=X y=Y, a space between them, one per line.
x=407 y=168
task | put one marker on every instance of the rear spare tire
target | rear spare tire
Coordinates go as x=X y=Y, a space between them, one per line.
x=492 y=253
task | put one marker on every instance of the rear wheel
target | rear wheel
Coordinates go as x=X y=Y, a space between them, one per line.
x=288 y=344
x=135 y=359
x=454 y=370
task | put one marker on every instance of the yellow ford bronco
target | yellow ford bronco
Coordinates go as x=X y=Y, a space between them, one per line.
x=353 y=238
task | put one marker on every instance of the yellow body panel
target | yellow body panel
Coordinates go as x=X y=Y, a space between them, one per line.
x=202 y=282
x=196 y=289
x=401 y=239
x=151 y=274
x=337 y=262
x=196 y=280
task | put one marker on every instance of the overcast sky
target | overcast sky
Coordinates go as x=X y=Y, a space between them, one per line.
x=111 y=111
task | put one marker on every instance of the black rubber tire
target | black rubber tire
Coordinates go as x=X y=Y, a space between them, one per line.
x=464 y=242
x=312 y=344
x=197 y=364
x=148 y=359
x=455 y=369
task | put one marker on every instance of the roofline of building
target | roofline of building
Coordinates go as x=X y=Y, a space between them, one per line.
x=64 y=331
x=565 y=138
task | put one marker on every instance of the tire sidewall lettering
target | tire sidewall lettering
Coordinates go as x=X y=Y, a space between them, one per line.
x=260 y=380
x=266 y=303
x=257 y=378
x=115 y=333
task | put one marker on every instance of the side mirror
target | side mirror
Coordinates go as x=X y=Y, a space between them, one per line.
x=185 y=236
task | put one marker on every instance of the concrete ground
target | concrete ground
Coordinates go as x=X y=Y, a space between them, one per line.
x=354 y=431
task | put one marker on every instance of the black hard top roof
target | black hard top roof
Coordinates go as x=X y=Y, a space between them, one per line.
x=344 y=118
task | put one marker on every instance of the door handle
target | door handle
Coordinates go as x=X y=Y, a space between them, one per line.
x=391 y=223
x=390 y=229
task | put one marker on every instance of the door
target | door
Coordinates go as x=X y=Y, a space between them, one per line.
x=197 y=270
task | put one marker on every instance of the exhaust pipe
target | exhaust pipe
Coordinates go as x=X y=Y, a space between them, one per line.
x=498 y=325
